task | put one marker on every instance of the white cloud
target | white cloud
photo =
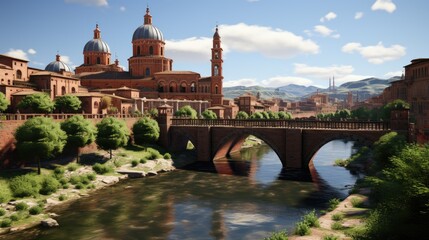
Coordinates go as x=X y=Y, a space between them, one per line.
x=190 y=49
x=376 y=54
x=323 y=72
x=66 y=59
x=122 y=9
x=328 y=17
x=280 y=81
x=241 y=82
x=385 y=5
x=31 y=51
x=275 y=43
x=393 y=74
x=325 y=31
x=358 y=15
x=98 y=3
x=17 y=53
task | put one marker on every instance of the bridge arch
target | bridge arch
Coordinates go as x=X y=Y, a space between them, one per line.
x=234 y=138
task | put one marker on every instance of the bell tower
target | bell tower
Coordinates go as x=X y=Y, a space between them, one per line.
x=217 y=76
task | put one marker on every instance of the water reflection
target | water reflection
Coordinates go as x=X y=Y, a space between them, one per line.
x=194 y=205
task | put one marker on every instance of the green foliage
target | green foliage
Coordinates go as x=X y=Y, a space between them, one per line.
x=311 y=219
x=14 y=217
x=333 y=203
x=59 y=171
x=153 y=154
x=153 y=113
x=330 y=237
x=242 y=115
x=146 y=130
x=40 y=137
x=302 y=229
x=273 y=115
x=2 y=212
x=37 y=103
x=281 y=235
x=24 y=186
x=284 y=115
x=67 y=103
x=21 y=206
x=80 y=186
x=35 y=210
x=337 y=226
x=112 y=134
x=62 y=197
x=134 y=163
x=167 y=156
x=387 y=146
x=102 y=168
x=105 y=102
x=49 y=185
x=6 y=223
x=5 y=193
x=337 y=216
x=356 y=202
x=91 y=176
x=72 y=167
x=265 y=115
x=186 y=111
x=397 y=104
x=256 y=115
x=209 y=114
x=4 y=103
x=143 y=160
x=80 y=132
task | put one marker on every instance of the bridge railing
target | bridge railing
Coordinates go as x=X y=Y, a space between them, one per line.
x=59 y=116
x=307 y=124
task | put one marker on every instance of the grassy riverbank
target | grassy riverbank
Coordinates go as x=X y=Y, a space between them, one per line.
x=26 y=198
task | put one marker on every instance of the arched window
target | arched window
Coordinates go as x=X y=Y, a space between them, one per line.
x=147 y=72
x=192 y=87
x=206 y=90
x=173 y=87
x=216 y=55
x=18 y=74
x=216 y=89
x=216 y=70
x=160 y=87
x=98 y=60
x=138 y=51
x=162 y=51
x=63 y=90
x=87 y=60
x=183 y=87
x=150 y=50
x=95 y=105
x=73 y=90
x=55 y=90
x=108 y=61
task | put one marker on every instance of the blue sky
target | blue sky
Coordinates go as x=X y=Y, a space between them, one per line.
x=266 y=42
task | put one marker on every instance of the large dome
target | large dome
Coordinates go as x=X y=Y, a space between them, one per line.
x=58 y=66
x=96 y=45
x=148 y=31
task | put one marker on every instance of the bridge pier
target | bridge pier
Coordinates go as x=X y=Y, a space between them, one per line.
x=293 y=149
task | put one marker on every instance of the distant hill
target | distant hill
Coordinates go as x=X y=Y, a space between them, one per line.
x=365 y=88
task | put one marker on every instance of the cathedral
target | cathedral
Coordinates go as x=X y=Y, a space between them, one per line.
x=150 y=78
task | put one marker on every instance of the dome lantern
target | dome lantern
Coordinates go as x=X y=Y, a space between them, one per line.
x=58 y=65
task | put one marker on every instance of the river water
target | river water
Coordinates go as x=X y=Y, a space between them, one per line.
x=248 y=199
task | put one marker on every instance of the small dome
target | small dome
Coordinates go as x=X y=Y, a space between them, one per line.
x=148 y=31
x=58 y=66
x=96 y=45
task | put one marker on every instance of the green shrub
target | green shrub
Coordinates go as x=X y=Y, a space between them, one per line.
x=49 y=185
x=91 y=186
x=72 y=167
x=102 y=168
x=91 y=176
x=311 y=219
x=24 y=186
x=153 y=154
x=302 y=229
x=14 y=217
x=333 y=203
x=143 y=160
x=59 y=171
x=356 y=202
x=5 y=193
x=75 y=179
x=2 y=212
x=21 y=206
x=84 y=179
x=6 y=223
x=338 y=216
x=167 y=156
x=281 y=235
x=336 y=226
x=330 y=237
x=62 y=197
x=80 y=186
x=63 y=181
x=35 y=210
x=134 y=163
x=65 y=186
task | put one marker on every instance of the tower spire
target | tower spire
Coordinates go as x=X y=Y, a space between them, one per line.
x=147 y=17
x=96 y=32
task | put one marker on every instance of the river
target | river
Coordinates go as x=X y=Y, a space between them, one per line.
x=249 y=199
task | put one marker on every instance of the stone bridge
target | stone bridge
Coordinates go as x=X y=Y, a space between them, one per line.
x=294 y=141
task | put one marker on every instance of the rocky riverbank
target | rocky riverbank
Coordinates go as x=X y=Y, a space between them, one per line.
x=67 y=195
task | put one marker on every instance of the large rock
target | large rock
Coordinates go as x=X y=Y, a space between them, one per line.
x=50 y=222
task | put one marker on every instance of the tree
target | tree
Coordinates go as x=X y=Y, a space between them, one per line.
x=265 y=115
x=67 y=103
x=388 y=145
x=40 y=137
x=105 y=102
x=112 y=134
x=397 y=104
x=186 y=111
x=146 y=130
x=153 y=113
x=37 y=102
x=273 y=115
x=209 y=114
x=242 y=115
x=4 y=103
x=80 y=132
x=256 y=115
x=284 y=115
